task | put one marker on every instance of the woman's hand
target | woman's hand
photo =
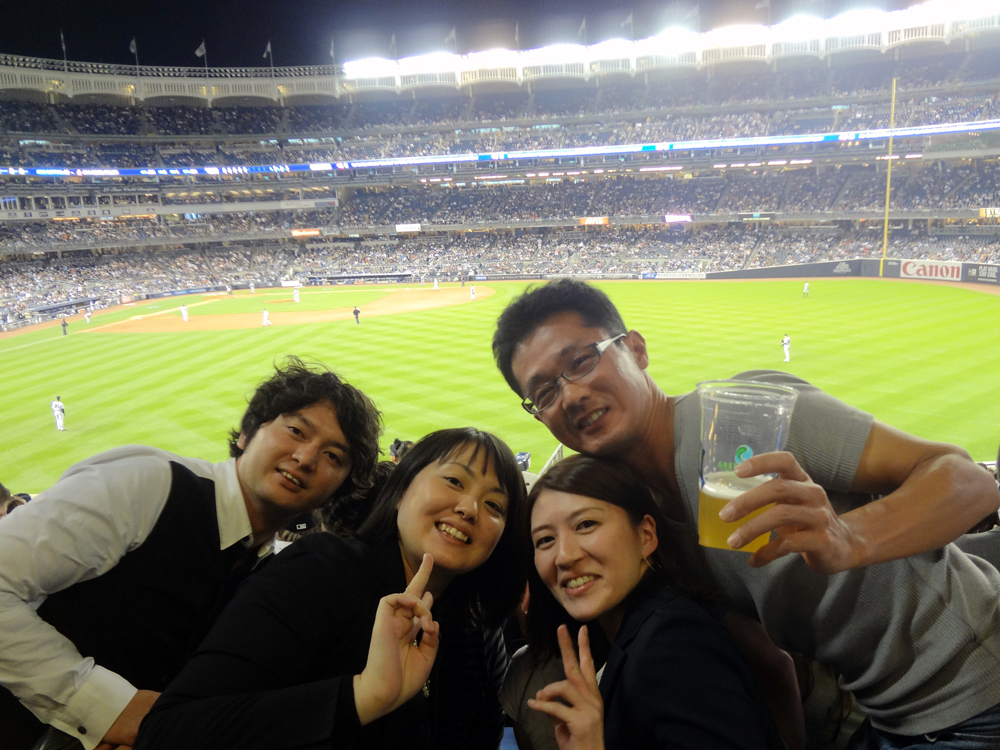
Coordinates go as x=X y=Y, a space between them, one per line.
x=578 y=714
x=397 y=667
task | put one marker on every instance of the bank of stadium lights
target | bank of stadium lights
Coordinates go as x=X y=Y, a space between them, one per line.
x=673 y=41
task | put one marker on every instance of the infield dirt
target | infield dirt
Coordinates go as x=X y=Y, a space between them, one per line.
x=396 y=301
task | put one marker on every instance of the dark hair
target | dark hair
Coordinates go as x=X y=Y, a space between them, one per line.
x=612 y=483
x=528 y=312
x=4 y=493
x=296 y=385
x=487 y=594
x=346 y=515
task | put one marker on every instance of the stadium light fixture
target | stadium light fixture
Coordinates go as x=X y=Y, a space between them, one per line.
x=856 y=23
x=611 y=49
x=798 y=28
x=968 y=9
x=492 y=58
x=737 y=36
x=670 y=41
x=434 y=62
x=371 y=67
x=556 y=54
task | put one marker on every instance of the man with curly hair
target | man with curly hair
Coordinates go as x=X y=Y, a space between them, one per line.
x=111 y=578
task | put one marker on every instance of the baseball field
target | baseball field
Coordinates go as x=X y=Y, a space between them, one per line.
x=921 y=357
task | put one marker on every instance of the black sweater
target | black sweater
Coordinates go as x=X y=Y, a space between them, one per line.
x=276 y=670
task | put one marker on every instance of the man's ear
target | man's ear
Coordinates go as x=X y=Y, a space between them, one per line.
x=242 y=442
x=637 y=345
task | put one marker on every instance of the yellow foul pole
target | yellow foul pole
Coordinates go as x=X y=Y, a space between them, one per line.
x=888 y=180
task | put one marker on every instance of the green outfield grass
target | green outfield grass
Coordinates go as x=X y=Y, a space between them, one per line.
x=920 y=357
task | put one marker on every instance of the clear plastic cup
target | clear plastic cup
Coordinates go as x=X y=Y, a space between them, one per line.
x=739 y=420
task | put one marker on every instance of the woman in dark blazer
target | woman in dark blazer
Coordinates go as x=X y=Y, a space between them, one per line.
x=320 y=649
x=673 y=676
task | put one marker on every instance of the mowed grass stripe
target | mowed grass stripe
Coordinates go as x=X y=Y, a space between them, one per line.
x=917 y=356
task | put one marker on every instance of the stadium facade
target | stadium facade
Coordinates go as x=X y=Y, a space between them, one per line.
x=717 y=158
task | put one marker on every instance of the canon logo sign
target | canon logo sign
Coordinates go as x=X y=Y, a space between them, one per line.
x=931 y=269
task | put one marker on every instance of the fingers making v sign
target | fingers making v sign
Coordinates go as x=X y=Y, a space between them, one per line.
x=398 y=662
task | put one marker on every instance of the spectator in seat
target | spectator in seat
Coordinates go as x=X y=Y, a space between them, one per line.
x=112 y=577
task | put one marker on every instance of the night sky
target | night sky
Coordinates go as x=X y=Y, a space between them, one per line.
x=237 y=31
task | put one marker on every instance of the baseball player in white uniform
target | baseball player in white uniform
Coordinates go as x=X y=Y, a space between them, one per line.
x=251 y=288
x=86 y=316
x=472 y=292
x=435 y=283
x=295 y=294
x=805 y=290
x=786 y=343
x=184 y=313
x=59 y=410
x=265 y=321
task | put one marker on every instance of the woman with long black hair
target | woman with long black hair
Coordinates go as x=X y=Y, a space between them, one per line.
x=335 y=642
x=673 y=678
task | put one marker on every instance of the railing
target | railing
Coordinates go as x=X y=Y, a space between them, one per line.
x=556 y=457
x=163 y=71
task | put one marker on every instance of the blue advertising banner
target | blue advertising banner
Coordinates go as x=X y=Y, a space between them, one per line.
x=982 y=273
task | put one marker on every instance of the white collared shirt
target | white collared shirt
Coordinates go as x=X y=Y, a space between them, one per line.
x=99 y=510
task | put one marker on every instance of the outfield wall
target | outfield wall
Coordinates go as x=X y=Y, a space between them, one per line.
x=894 y=268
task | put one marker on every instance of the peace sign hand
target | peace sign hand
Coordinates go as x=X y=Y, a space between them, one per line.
x=397 y=666
x=578 y=714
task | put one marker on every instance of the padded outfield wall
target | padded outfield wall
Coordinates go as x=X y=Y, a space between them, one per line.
x=895 y=268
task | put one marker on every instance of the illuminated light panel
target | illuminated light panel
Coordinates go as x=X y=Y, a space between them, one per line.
x=738 y=164
x=913 y=156
x=801 y=161
x=777 y=162
x=719 y=166
x=650 y=169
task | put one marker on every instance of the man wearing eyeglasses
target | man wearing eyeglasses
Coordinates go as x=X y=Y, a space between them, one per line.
x=870 y=586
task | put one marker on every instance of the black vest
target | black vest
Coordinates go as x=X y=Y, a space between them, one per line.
x=144 y=617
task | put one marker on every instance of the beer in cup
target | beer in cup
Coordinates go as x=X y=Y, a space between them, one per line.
x=739 y=419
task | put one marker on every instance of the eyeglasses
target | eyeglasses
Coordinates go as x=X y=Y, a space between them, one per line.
x=580 y=366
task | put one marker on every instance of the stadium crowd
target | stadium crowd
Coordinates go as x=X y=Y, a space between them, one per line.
x=615 y=129
x=474 y=200
x=28 y=285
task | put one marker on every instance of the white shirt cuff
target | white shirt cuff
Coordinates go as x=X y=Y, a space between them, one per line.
x=95 y=706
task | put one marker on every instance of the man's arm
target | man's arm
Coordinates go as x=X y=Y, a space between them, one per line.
x=932 y=494
x=73 y=532
x=776 y=672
